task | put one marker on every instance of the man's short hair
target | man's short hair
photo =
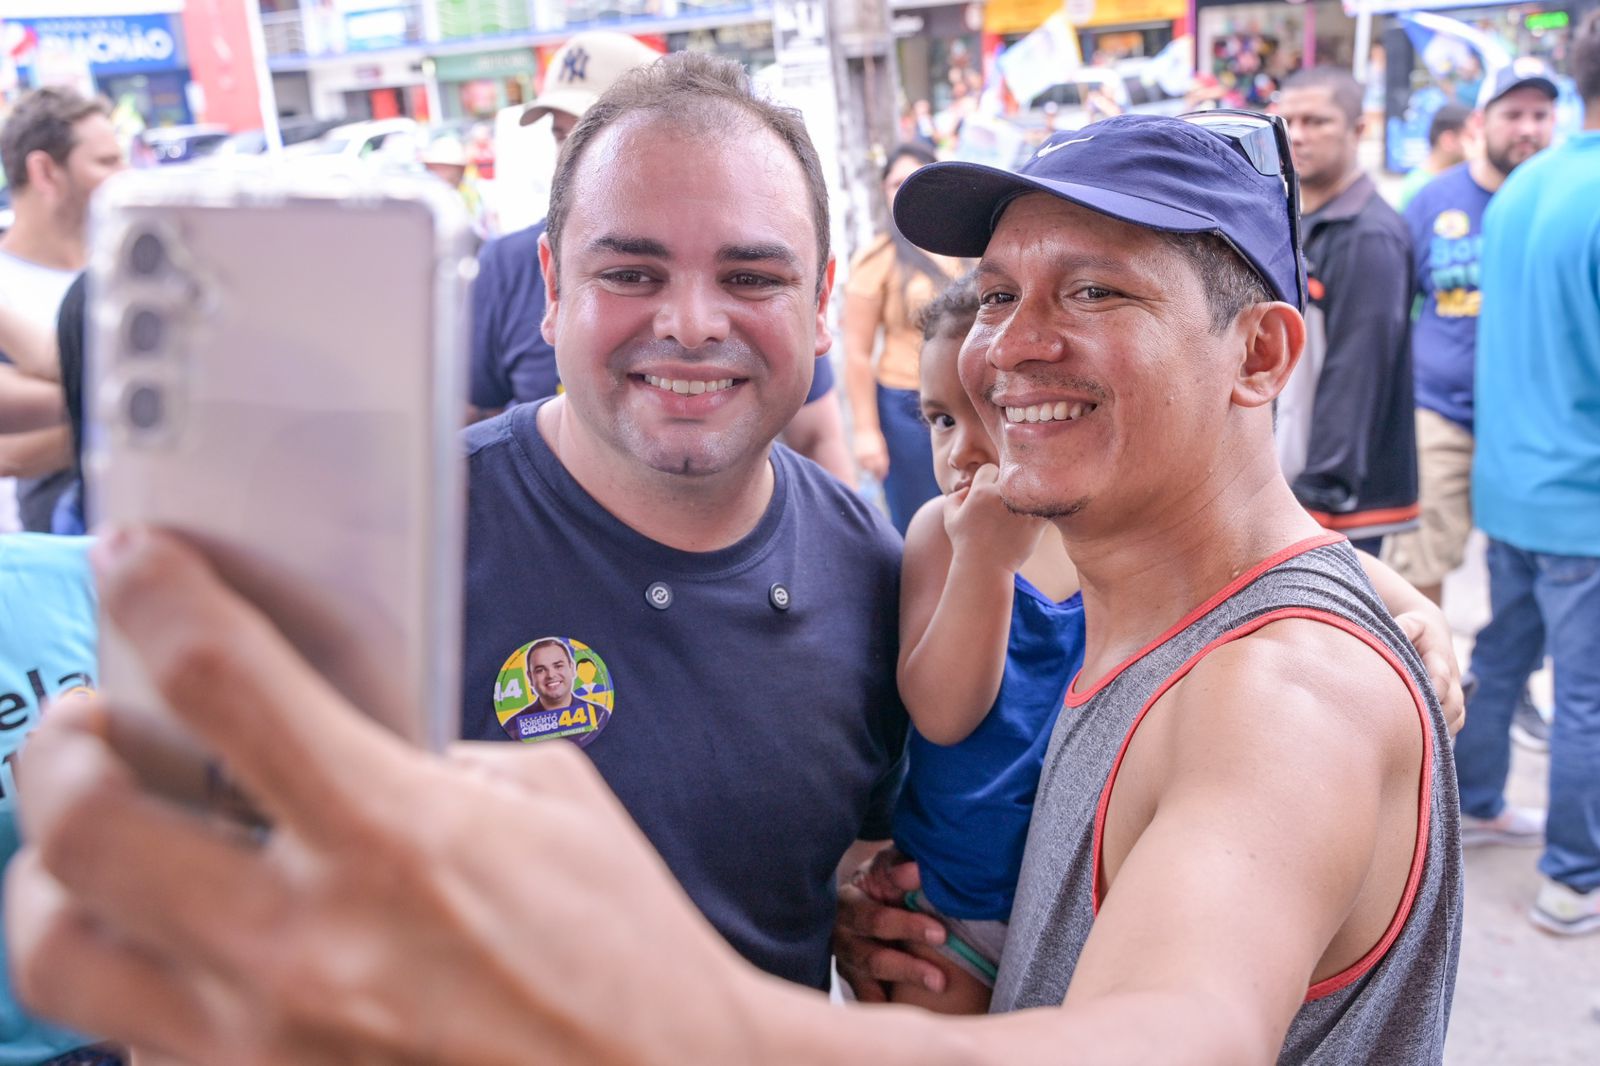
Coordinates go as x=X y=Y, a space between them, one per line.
x=1231 y=284
x=688 y=87
x=550 y=642
x=1450 y=118
x=44 y=120
x=1585 y=59
x=1340 y=84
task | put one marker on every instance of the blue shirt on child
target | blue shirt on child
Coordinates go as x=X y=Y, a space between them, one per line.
x=964 y=811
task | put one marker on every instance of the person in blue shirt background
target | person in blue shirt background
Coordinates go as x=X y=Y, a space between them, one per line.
x=47 y=649
x=1536 y=493
x=1515 y=122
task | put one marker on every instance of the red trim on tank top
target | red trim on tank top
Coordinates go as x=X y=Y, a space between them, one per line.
x=1361 y=966
x=1322 y=540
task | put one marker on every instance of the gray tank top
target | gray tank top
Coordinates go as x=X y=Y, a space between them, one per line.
x=1388 y=1009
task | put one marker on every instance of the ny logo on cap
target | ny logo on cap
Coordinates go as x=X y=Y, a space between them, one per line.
x=575 y=67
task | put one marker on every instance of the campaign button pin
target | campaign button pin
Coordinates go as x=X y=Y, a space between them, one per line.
x=658 y=595
x=779 y=596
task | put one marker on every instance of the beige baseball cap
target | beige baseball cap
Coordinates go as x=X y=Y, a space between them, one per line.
x=585 y=67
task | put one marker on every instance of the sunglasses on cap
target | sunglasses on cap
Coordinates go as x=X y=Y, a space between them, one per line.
x=1263 y=140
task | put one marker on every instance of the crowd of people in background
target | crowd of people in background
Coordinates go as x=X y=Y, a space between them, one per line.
x=912 y=531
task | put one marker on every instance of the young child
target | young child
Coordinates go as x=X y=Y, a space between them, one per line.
x=991 y=634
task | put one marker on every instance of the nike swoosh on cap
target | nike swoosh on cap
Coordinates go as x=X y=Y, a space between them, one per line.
x=1047 y=149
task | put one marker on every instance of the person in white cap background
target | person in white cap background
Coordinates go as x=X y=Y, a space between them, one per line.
x=446 y=159
x=511 y=362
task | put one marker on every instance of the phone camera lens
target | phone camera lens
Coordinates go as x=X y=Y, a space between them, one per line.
x=145 y=331
x=146 y=407
x=147 y=255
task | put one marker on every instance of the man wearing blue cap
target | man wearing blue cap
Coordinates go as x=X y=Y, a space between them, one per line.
x=1148 y=269
x=1244 y=845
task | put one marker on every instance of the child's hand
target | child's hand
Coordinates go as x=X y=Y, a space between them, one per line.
x=1430 y=635
x=872 y=928
x=888 y=876
x=977 y=520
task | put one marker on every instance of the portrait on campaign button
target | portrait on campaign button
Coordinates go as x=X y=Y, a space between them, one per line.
x=554 y=688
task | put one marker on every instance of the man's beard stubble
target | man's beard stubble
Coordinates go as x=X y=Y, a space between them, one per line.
x=1047 y=511
x=1503 y=162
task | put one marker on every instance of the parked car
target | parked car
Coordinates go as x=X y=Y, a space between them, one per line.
x=1145 y=85
x=380 y=142
x=292 y=131
x=179 y=144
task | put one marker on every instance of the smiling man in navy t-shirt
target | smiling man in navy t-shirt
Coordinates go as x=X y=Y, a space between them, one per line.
x=640 y=550
x=512 y=362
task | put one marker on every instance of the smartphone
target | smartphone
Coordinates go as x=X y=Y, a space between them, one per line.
x=276 y=372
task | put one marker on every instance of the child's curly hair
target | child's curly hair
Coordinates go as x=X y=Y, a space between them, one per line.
x=953 y=311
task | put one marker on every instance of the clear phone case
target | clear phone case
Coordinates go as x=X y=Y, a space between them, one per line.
x=276 y=371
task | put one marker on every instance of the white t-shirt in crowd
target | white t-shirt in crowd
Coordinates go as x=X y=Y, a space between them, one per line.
x=35 y=292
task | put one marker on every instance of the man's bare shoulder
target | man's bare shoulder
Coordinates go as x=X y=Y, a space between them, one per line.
x=1297 y=704
x=1299 y=684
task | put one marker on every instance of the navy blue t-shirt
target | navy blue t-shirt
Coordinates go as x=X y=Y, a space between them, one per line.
x=1446 y=221
x=511 y=361
x=754 y=729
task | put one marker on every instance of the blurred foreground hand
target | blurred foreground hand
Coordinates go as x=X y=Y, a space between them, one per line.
x=406 y=907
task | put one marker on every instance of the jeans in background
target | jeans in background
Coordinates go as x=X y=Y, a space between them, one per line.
x=1540 y=602
x=910 y=482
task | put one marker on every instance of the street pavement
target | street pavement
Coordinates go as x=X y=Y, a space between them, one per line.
x=1523 y=997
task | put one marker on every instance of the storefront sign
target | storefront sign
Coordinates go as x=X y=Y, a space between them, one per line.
x=1088 y=13
x=110 y=44
x=1024 y=16
x=1389 y=7
x=375 y=24
x=507 y=63
x=1017 y=16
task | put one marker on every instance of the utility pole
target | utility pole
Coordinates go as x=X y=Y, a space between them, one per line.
x=263 y=74
x=868 y=82
x=836 y=64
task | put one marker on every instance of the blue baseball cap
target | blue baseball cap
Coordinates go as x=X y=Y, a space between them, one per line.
x=1148 y=170
x=1527 y=71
